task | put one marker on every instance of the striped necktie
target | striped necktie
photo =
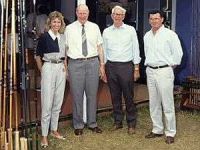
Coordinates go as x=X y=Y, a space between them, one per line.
x=84 y=42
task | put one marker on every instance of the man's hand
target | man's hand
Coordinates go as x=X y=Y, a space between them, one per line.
x=65 y=69
x=136 y=75
x=102 y=72
x=104 y=78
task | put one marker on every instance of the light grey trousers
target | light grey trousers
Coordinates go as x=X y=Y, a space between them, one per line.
x=53 y=80
x=84 y=76
x=160 y=85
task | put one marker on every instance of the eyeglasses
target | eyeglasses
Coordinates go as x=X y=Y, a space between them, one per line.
x=116 y=14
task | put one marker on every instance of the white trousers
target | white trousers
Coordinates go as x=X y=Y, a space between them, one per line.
x=160 y=84
x=53 y=80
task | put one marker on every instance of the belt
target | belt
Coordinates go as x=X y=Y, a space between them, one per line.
x=54 y=61
x=117 y=62
x=157 y=67
x=84 y=59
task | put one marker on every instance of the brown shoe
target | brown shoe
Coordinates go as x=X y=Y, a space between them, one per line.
x=153 y=135
x=169 y=140
x=117 y=126
x=96 y=130
x=131 y=130
x=78 y=132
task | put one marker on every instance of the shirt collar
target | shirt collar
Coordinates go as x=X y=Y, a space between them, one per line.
x=85 y=24
x=53 y=36
x=160 y=29
x=122 y=26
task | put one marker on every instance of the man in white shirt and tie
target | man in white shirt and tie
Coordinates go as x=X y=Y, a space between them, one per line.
x=85 y=62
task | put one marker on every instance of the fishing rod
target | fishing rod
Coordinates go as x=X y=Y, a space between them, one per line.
x=5 y=96
x=10 y=130
x=22 y=30
x=1 y=69
x=13 y=48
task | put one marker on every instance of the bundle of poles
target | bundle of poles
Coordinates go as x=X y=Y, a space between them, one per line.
x=11 y=138
x=191 y=93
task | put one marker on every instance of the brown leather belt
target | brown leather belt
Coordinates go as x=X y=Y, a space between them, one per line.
x=157 y=67
x=84 y=59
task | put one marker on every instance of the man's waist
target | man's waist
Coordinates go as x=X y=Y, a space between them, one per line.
x=119 y=62
x=83 y=59
x=157 y=67
x=55 y=61
x=120 y=58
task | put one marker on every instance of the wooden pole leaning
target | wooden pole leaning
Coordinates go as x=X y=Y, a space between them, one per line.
x=1 y=71
x=3 y=135
x=22 y=143
x=35 y=86
x=13 y=34
x=12 y=74
x=1 y=60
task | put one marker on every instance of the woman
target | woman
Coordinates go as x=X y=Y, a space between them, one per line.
x=50 y=58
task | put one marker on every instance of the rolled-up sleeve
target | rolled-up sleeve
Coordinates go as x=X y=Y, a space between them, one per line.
x=136 y=50
x=104 y=47
x=99 y=37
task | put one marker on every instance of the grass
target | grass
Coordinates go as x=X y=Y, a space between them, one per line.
x=187 y=138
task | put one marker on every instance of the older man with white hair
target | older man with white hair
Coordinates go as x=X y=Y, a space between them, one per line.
x=85 y=61
x=122 y=67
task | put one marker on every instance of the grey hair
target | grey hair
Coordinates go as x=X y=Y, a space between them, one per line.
x=119 y=7
x=82 y=6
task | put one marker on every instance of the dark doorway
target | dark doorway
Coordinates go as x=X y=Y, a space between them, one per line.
x=50 y=5
x=92 y=5
x=101 y=11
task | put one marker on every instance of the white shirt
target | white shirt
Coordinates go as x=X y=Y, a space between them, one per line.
x=121 y=44
x=53 y=36
x=73 y=33
x=162 y=48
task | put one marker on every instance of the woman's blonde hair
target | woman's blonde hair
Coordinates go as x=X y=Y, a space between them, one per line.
x=53 y=15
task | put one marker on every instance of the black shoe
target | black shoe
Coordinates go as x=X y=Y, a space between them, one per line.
x=78 y=132
x=95 y=129
x=169 y=140
x=153 y=135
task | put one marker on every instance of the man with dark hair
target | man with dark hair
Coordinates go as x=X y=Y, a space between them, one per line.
x=163 y=53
